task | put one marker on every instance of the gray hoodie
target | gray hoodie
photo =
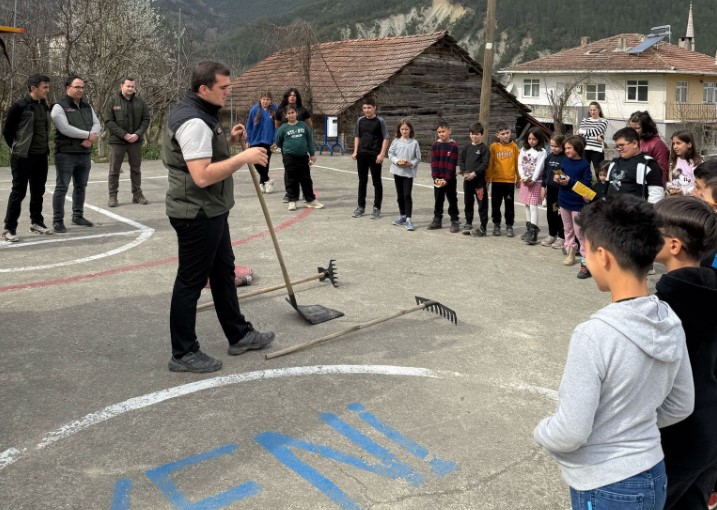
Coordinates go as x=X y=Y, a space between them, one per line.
x=627 y=374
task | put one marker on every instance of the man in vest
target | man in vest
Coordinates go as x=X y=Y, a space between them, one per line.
x=126 y=118
x=27 y=131
x=77 y=129
x=199 y=196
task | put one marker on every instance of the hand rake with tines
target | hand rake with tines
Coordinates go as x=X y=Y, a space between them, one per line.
x=421 y=304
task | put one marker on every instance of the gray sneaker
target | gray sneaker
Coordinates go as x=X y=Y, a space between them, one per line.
x=376 y=214
x=10 y=236
x=360 y=211
x=196 y=362
x=252 y=340
x=39 y=228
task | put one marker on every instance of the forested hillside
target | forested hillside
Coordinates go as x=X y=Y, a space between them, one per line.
x=526 y=30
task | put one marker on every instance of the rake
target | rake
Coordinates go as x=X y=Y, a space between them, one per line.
x=322 y=275
x=421 y=304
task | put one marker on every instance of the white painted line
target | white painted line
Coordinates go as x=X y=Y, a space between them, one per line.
x=144 y=231
x=12 y=455
x=60 y=239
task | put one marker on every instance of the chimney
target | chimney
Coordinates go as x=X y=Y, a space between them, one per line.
x=584 y=40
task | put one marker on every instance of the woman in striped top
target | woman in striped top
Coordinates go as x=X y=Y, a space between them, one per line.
x=592 y=129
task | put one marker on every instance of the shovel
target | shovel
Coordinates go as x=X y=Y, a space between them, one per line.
x=421 y=304
x=322 y=275
x=314 y=314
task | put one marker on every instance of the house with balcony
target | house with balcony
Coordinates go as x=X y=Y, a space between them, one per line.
x=624 y=73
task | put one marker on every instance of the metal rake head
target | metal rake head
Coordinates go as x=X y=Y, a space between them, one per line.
x=438 y=308
x=330 y=273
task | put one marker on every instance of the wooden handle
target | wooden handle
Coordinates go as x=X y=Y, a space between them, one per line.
x=357 y=327
x=270 y=225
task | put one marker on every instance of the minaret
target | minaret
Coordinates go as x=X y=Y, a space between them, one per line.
x=688 y=41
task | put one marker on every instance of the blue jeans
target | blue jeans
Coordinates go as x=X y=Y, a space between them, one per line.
x=75 y=168
x=644 y=491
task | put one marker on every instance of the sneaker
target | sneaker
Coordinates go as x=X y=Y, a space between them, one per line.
x=196 y=362
x=496 y=229
x=315 y=204
x=652 y=270
x=467 y=229
x=59 y=227
x=548 y=241
x=479 y=232
x=712 y=502
x=285 y=200
x=401 y=220
x=262 y=188
x=584 y=272
x=252 y=340
x=509 y=231
x=82 y=221
x=112 y=202
x=40 y=229
x=376 y=214
x=292 y=206
x=455 y=227
x=10 y=236
x=138 y=198
x=409 y=224
x=559 y=244
x=360 y=211
x=436 y=224
x=269 y=186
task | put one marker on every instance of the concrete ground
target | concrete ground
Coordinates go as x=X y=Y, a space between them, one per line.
x=413 y=413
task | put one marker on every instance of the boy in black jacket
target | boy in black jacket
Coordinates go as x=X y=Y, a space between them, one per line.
x=473 y=163
x=690 y=446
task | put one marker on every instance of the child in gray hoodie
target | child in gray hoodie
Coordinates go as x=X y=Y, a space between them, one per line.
x=627 y=371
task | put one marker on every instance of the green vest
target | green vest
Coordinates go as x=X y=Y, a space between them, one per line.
x=184 y=198
x=80 y=118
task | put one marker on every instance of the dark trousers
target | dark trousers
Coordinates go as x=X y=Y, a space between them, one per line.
x=688 y=490
x=404 y=187
x=475 y=190
x=364 y=164
x=134 y=156
x=30 y=170
x=70 y=167
x=503 y=192
x=446 y=192
x=555 y=221
x=594 y=157
x=298 y=174
x=262 y=170
x=205 y=252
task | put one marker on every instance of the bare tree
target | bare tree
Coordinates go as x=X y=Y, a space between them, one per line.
x=298 y=40
x=560 y=99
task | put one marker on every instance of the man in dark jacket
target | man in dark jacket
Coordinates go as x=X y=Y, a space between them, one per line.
x=200 y=194
x=27 y=132
x=126 y=118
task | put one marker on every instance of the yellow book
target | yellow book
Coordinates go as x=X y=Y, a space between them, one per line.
x=584 y=191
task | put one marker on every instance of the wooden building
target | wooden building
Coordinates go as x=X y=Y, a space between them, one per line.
x=425 y=78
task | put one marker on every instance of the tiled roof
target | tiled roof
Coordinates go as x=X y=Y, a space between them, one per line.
x=342 y=72
x=605 y=56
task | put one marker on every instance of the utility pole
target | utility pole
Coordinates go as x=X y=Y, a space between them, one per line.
x=12 y=56
x=180 y=33
x=486 y=86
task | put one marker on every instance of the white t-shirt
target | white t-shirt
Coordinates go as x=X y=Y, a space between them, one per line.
x=195 y=140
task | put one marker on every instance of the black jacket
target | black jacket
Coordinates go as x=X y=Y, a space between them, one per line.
x=20 y=124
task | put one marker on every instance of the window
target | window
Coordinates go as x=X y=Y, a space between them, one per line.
x=595 y=92
x=637 y=90
x=531 y=87
x=681 y=92
x=710 y=95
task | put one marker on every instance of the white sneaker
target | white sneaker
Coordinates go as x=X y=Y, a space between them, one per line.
x=40 y=229
x=292 y=206
x=268 y=186
x=261 y=187
x=315 y=204
x=10 y=236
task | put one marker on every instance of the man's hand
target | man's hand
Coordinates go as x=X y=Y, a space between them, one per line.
x=238 y=134
x=379 y=159
x=92 y=137
x=131 y=138
x=86 y=144
x=255 y=155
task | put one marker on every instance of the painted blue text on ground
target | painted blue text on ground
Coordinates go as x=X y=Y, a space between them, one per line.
x=385 y=464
